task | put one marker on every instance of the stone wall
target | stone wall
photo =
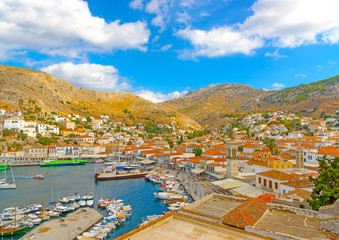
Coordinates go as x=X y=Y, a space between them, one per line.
x=295 y=204
x=269 y=234
x=330 y=226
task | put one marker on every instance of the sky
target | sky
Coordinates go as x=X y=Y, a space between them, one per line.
x=162 y=49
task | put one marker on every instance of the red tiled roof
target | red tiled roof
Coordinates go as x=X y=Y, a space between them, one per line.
x=278 y=175
x=246 y=214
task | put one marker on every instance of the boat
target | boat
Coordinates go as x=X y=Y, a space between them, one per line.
x=82 y=203
x=99 y=161
x=110 y=173
x=3 y=167
x=56 y=163
x=11 y=229
x=90 y=203
x=39 y=176
x=3 y=182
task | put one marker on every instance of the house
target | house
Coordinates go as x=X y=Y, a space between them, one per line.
x=271 y=180
x=84 y=139
x=214 y=153
x=14 y=123
x=38 y=153
x=30 y=131
x=68 y=124
x=67 y=132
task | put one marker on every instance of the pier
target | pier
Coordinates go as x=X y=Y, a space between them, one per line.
x=66 y=228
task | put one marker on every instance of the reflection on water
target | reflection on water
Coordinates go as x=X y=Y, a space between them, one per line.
x=70 y=179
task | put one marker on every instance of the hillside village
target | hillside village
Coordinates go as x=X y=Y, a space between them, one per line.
x=266 y=141
x=267 y=156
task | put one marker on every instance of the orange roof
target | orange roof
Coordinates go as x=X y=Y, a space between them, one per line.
x=213 y=152
x=278 y=175
x=84 y=136
x=246 y=214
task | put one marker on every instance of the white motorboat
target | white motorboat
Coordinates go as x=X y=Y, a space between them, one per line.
x=82 y=203
x=64 y=200
x=90 y=203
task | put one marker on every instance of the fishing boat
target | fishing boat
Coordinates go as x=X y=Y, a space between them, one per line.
x=39 y=176
x=110 y=173
x=3 y=182
x=13 y=228
x=57 y=163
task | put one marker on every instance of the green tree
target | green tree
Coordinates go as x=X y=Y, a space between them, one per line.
x=9 y=132
x=326 y=189
x=270 y=143
x=22 y=136
x=197 y=152
x=170 y=142
x=230 y=132
x=45 y=141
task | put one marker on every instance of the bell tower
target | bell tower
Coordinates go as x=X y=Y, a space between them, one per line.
x=299 y=164
x=232 y=161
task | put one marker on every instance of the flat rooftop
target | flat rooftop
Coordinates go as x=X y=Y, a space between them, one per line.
x=181 y=227
x=291 y=224
x=214 y=206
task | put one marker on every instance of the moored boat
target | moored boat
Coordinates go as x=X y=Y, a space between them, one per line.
x=110 y=173
x=56 y=163
x=11 y=230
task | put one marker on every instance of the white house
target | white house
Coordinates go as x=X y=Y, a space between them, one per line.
x=14 y=123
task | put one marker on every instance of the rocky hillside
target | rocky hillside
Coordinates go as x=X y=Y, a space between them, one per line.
x=209 y=106
x=52 y=94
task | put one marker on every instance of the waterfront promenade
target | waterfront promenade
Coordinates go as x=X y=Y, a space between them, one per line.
x=66 y=228
x=195 y=189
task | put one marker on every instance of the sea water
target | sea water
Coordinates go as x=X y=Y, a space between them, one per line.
x=66 y=180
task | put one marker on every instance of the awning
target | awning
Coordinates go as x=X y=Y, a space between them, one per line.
x=198 y=170
x=146 y=162
x=217 y=176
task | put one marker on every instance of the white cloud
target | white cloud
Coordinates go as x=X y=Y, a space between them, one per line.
x=276 y=55
x=220 y=41
x=166 y=47
x=300 y=75
x=136 y=4
x=290 y=23
x=160 y=9
x=157 y=97
x=281 y=23
x=64 y=27
x=89 y=75
x=277 y=86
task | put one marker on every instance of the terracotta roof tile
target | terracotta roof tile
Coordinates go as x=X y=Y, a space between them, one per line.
x=246 y=214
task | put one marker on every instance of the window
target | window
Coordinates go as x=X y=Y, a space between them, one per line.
x=265 y=182
x=259 y=179
x=276 y=185
x=309 y=157
x=270 y=184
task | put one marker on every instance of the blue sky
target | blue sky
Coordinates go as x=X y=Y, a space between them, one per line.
x=160 y=49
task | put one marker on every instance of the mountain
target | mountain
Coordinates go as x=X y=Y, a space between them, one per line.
x=37 y=90
x=209 y=106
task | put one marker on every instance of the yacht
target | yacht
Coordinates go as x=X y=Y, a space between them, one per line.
x=7 y=185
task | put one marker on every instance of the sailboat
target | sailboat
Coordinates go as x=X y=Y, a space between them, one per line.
x=3 y=182
x=13 y=228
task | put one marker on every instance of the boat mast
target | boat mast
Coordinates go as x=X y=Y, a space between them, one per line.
x=6 y=171
x=12 y=173
x=14 y=213
x=119 y=143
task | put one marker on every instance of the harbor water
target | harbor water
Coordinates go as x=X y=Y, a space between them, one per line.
x=65 y=181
